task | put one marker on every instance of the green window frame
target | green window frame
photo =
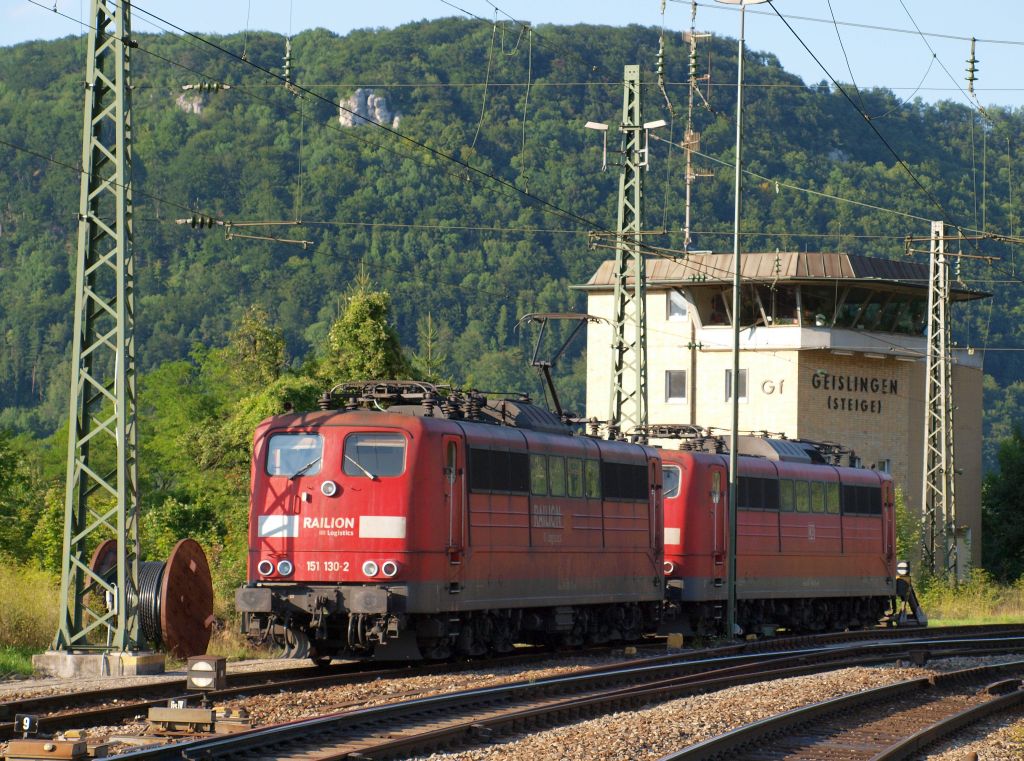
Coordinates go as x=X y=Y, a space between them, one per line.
x=574 y=472
x=817 y=497
x=556 y=475
x=832 y=498
x=538 y=474
x=592 y=477
x=787 y=498
x=802 y=495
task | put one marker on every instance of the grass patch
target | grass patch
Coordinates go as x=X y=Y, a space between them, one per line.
x=979 y=600
x=16 y=660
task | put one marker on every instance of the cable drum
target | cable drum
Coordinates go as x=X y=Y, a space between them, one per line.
x=175 y=604
x=151 y=576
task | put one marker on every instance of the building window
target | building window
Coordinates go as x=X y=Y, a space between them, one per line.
x=676 y=305
x=885 y=465
x=675 y=385
x=742 y=385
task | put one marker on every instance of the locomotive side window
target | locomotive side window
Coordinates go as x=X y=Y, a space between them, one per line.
x=832 y=498
x=862 y=500
x=290 y=454
x=802 y=496
x=817 y=497
x=758 y=493
x=787 y=500
x=671 y=477
x=556 y=473
x=622 y=481
x=538 y=474
x=592 y=473
x=370 y=455
x=574 y=472
x=493 y=470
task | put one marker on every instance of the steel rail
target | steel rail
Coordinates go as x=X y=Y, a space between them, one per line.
x=730 y=744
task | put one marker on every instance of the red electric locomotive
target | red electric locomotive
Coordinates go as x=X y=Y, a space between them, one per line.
x=412 y=523
x=815 y=541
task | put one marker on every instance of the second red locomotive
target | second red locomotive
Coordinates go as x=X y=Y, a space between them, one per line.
x=815 y=541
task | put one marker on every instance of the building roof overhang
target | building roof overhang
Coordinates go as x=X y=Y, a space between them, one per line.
x=715 y=270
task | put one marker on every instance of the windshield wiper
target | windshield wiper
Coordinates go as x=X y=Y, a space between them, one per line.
x=303 y=469
x=368 y=473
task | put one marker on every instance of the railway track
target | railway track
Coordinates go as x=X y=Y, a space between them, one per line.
x=426 y=724
x=882 y=724
x=308 y=676
x=119 y=704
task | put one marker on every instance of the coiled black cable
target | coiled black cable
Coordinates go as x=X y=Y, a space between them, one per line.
x=151 y=575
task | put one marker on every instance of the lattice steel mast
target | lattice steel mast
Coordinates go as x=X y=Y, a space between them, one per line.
x=938 y=540
x=629 y=320
x=102 y=499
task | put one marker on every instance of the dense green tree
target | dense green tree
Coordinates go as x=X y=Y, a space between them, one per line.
x=363 y=344
x=1002 y=511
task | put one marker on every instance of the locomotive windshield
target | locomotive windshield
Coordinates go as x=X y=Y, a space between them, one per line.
x=369 y=455
x=290 y=454
x=670 y=476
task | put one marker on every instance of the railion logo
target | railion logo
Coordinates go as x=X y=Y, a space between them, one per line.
x=328 y=523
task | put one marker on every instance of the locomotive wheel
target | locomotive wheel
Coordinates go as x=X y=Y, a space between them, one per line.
x=296 y=643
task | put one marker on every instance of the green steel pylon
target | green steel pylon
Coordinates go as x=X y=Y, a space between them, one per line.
x=99 y=611
x=629 y=320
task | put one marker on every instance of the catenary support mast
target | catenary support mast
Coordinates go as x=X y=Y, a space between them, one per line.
x=100 y=611
x=939 y=540
x=629 y=322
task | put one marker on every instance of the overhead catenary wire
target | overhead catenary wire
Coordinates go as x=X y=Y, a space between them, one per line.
x=871 y=27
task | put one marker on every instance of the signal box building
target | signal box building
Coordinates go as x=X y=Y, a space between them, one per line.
x=832 y=349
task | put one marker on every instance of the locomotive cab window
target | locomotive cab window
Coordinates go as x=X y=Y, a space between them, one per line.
x=291 y=454
x=371 y=455
x=670 y=480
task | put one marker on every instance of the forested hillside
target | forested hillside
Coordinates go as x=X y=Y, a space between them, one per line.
x=469 y=205
x=464 y=248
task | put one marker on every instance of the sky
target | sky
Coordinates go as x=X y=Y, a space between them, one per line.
x=930 y=66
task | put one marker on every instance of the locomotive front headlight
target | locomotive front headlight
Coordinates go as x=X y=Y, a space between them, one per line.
x=285 y=567
x=389 y=568
x=670 y=567
x=328 y=488
x=265 y=567
x=370 y=568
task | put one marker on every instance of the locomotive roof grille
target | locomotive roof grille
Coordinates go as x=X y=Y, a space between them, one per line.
x=421 y=399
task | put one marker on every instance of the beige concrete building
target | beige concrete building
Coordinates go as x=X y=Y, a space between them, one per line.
x=832 y=349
